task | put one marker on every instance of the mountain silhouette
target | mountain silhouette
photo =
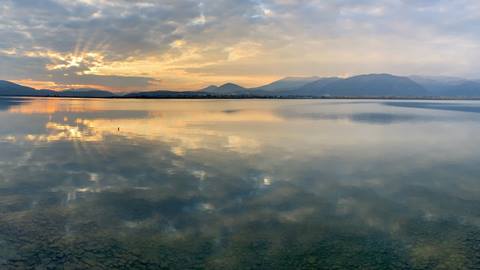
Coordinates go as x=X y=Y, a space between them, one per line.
x=86 y=92
x=226 y=89
x=287 y=84
x=12 y=89
x=449 y=86
x=370 y=85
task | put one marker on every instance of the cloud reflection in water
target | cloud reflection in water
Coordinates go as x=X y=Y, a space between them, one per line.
x=224 y=181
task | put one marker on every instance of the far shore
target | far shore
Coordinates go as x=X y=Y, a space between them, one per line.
x=212 y=97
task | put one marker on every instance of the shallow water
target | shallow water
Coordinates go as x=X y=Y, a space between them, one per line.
x=250 y=184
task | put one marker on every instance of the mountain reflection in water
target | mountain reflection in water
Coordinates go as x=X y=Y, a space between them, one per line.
x=219 y=184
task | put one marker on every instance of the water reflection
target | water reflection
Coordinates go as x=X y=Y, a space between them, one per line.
x=237 y=184
x=461 y=106
x=7 y=103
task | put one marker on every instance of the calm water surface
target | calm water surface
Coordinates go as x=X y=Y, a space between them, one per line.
x=206 y=184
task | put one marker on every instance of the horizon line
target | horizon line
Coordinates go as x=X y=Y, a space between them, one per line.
x=117 y=90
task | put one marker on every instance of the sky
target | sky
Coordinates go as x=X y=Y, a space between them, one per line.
x=137 y=45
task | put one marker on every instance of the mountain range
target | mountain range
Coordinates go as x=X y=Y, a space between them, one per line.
x=12 y=89
x=362 y=86
x=288 y=84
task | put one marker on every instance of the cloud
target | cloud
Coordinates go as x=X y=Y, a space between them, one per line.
x=186 y=44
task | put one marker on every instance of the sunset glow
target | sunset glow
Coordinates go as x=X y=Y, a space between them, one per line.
x=187 y=45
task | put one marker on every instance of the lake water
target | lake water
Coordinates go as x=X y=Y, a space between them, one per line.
x=247 y=184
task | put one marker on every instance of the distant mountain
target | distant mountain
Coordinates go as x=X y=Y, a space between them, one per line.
x=465 y=89
x=227 y=89
x=376 y=85
x=224 y=91
x=209 y=89
x=371 y=85
x=449 y=86
x=437 y=79
x=12 y=89
x=167 y=94
x=85 y=92
x=315 y=88
x=287 y=84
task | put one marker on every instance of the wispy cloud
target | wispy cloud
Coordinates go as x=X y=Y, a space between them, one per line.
x=184 y=44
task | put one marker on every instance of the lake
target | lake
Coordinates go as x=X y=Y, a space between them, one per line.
x=239 y=184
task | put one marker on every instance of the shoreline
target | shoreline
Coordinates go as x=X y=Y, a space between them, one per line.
x=256 y=98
